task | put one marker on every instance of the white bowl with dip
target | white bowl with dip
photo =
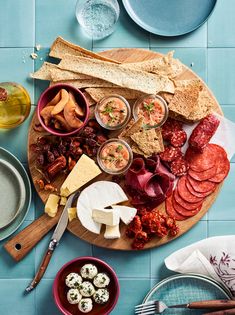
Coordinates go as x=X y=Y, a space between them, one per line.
x=153 y=108
x=113 y=112
x=114 y=156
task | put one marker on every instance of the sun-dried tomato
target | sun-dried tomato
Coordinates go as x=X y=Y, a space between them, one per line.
x=135 y=225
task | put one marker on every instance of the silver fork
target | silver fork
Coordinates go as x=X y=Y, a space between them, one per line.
x=158 y=307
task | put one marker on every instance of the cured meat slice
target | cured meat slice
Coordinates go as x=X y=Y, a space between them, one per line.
x=201 y=186
x=171 y=211
x=178 y=138
x=170 y=154
x=222 y=164
x=203 y=132
x=137 y=165
x=183 y=203
x=184 y=212
x=205 y=175
x=170 y=126
x=200 y=162
x=179 y=167
x=196 y=193
x=185 y=193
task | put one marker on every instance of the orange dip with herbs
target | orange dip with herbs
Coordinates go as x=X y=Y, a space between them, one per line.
x=112 y=111
x=114 y=156
x=152 y=110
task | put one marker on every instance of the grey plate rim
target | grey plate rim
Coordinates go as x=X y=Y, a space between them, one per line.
x=22 y=191
x=9 y=228
x=165 y=34
x=191 y=275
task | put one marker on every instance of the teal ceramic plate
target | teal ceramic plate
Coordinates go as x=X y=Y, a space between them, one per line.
x=11 y=159
x=181 y=289
x=169 y=17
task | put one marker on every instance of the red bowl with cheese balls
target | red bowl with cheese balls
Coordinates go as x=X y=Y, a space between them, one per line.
x=72 y=280
x=62 y=110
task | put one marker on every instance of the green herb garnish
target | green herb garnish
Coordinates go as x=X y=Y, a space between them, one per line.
x=119 y=148
x=149 y=107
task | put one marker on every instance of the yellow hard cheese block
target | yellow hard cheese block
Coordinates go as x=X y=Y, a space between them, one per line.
x=72 y=213
x=51 y=205
x=83 y=172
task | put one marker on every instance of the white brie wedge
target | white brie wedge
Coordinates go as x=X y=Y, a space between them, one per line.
x=112 y=232
x=127 y=214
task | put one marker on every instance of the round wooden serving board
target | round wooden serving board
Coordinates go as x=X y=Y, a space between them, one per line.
x=123 y=243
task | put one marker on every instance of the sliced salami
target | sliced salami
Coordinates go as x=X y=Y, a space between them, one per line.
x=179 y=167
x=201 y=186
x=178 y=138
x=222 y=165
x=184 y=212
x=183 y=203
x=170 y=126
x=195 y=193
x=170 y=154
x=171 y=211
x=185 y=193
x=200 y=162
x=205 y=175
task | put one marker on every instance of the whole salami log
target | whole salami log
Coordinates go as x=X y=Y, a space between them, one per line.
x=203 y=132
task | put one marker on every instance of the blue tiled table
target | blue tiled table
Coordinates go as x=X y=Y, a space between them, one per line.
x=210 y=51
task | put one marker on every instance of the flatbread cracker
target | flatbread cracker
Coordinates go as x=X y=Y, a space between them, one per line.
x=44 y=72
x=164 y=65
x=135 y=127
x=58 y=74
x=61 y=47
x=149 y=141
x=81 y=84
x=133 y=79
x=98 y=93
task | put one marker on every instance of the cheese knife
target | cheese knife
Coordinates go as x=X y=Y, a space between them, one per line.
x=54 y=242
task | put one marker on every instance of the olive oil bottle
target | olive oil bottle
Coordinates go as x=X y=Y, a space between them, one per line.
x=15 y=105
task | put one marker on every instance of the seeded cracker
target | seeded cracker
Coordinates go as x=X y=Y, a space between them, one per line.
x=149 y=141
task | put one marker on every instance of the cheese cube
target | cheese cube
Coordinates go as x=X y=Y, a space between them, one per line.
x=72 y=213
x=63 y=201
x=106 y=216
x=51 y=206
x=83 y=172
x=112 y=232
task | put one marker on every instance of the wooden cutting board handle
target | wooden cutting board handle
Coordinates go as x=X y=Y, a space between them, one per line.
x=22 y=243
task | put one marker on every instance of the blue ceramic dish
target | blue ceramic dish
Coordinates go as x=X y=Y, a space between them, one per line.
x=169 y=17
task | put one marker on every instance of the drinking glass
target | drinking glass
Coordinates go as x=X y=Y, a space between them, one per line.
x=97 y=17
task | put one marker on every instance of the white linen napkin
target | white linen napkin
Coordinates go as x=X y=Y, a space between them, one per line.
x=224 y=136
x=213 y=257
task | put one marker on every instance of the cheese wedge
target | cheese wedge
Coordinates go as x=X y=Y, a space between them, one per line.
x=83 y=172
x=51 y=206
x=63 y=201
x=106 y=216
x=127 y=214
x=112 y=232
x=98 y=195
x=72 y=213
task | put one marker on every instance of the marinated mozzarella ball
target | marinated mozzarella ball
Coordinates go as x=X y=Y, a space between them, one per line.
x=101 y=296
x=73 y=296
x=73 y=280
x=88 y=271
x=87 y=289
x=85 y=305
x=101 y=280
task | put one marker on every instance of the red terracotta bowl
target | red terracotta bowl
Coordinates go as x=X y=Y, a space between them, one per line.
x=60 y=289
x=49 y=94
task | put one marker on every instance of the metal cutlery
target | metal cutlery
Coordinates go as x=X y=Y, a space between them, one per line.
x=158 y=307
x=54 y=242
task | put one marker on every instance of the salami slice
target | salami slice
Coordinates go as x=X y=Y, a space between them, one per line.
x=205 y=175
x=184 y=212
x=170 y=154
x=185 y=193
x=178 y=138
x=222 y=164
x=171 y=211
x=200 y=162
x=195 y=193
x=183 y=203
x=179 y=167
x=201 y=186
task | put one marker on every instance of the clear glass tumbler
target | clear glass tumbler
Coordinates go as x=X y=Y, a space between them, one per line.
x=97 y=17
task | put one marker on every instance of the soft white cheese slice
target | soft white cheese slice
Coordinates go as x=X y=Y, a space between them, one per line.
x=83 y=172
x=127 y=214
x=112 y=232
x=106 y=216
x=98 y=195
